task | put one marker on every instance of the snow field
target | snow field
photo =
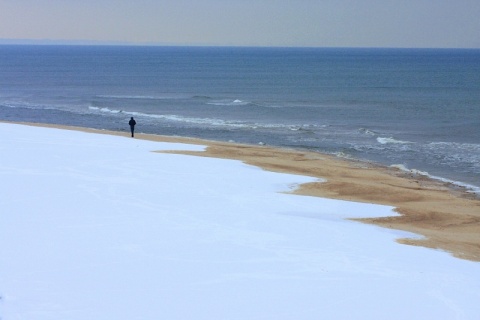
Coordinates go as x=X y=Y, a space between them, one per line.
x=100 y=227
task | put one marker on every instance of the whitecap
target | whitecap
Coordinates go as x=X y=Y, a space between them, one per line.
x=468 y=187
x=140 y=97
x=105 y=109
x=343 y=155
x=236 y=102
x=391 y=140
x=415 y=172
x=367 y=131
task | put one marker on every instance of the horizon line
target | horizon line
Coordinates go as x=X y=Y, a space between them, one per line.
x=51 y=42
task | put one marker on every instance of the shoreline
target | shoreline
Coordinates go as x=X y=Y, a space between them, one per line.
x=448 y=219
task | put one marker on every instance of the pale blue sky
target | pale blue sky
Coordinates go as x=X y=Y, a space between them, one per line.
x=318 y=23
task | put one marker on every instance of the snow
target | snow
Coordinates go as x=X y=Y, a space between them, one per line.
x=100 y=227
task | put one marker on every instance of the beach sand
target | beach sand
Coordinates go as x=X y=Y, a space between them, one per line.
x=447 y=218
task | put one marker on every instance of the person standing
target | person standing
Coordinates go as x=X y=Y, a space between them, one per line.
x=132 y=124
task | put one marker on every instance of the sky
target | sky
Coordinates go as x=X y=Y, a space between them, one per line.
x=311 y=23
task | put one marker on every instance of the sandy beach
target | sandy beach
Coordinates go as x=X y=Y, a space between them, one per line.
x=448 y=218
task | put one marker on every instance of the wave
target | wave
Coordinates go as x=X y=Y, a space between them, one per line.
x=367 y=132
x=414 y=172
x=455 y=154
x=391 y=140
x=382 y=140
x=205 y=121
x=468 y=187
x=236 y=102
x=21 y=105
x=141 y=97
x=474 y=147
x=201 y=97
x=105 y=110
x=27 y=105
x=343 y=155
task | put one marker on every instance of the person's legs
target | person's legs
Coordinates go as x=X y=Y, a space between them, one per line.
x=131 y=129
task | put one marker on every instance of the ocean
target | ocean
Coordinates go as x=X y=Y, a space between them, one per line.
x=415 y=109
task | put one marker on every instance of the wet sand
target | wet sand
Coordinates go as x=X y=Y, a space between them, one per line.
x=448 y=218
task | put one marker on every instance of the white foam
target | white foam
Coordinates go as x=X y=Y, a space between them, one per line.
x=104 y=109
x=391 y=140
x=140 y=97
x=236 y=102
x=343 y=155
x=28 y=105
x=367 y=132
x=469 y=188
x=205 y=121
x=402 y=167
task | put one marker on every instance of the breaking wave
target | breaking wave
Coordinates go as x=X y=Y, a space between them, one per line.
x=391 y=140
x=414 y=172
x=105 y=110
x=235 y=102
x=367 y=131
x=203 y=121
x=141 y=97
x=28 y=105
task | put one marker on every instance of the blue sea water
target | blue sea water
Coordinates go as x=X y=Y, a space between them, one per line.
x=414 y=108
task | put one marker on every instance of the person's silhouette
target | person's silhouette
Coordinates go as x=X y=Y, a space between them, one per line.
x=132 y=124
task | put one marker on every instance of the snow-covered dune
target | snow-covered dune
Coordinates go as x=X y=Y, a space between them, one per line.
x=100 y=227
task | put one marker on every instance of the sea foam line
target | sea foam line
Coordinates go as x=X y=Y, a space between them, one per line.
x=468 y=187
x=204 y=121
x=382 y=140
x=139 y=97
x=236 y=102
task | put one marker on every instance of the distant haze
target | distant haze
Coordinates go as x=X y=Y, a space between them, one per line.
x=316 y=23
